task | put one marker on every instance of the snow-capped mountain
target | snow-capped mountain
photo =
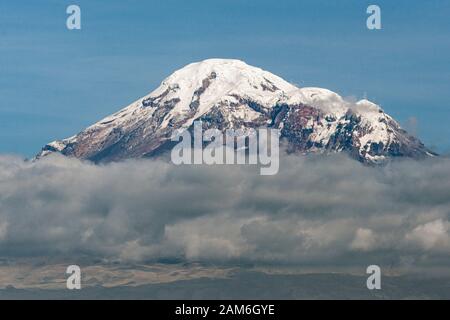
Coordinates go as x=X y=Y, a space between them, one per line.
x=226 y=94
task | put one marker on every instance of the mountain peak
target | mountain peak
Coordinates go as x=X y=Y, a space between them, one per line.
x=226 y=70
x=201 y=85
x=228 y=93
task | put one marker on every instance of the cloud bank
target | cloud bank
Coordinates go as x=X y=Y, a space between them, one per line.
x=317 y=211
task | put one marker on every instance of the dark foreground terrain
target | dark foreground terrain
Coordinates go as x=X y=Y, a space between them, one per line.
x=256 y=285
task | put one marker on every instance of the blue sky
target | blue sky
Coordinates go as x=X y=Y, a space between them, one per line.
x=55 y=82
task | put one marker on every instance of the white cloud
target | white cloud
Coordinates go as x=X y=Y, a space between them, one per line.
x=364 y=239
x=317 y=211
x=434 y=234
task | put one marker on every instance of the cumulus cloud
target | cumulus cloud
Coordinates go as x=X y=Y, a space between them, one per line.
x=365 y=239
x=315 y=211
x=431 y=235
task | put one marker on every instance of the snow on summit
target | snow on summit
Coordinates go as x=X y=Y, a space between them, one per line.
x=228 y=93
x=221 y=80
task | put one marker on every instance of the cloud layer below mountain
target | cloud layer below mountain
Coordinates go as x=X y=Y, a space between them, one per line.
x=317 y=211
